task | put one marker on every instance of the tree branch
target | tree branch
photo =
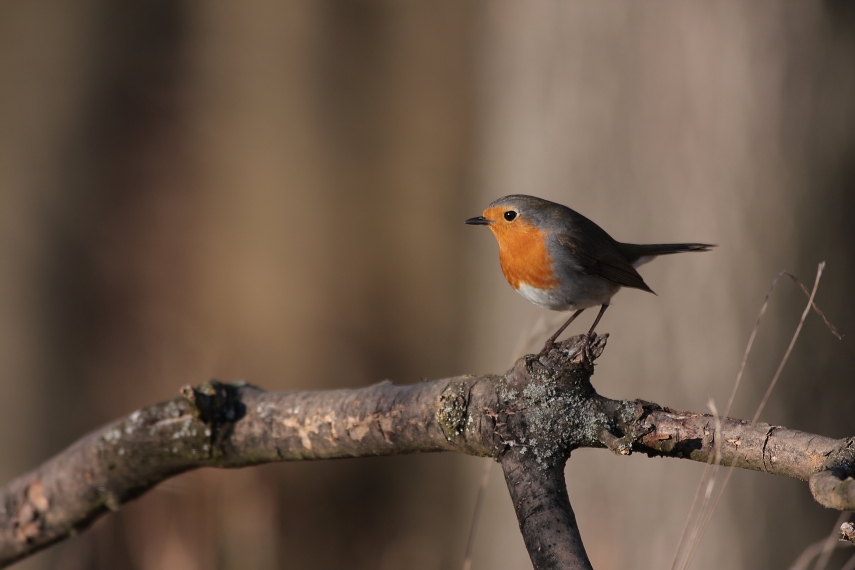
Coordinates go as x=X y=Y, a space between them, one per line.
x=546 y=518
x=530 y=420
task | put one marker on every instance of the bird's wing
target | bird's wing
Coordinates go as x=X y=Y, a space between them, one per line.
x=598 y=254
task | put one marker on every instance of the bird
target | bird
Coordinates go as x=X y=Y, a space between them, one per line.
x=560 y=260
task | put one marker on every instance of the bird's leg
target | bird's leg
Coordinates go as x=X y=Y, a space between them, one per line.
x=586 y=357
x=550 y=342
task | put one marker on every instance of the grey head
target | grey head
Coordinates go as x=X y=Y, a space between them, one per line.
x=529 y=209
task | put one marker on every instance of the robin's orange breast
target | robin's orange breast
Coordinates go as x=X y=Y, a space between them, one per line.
x=523 y=255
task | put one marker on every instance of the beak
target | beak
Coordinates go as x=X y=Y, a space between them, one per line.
x=478 y=221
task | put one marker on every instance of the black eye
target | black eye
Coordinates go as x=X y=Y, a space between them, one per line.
x=510 y=215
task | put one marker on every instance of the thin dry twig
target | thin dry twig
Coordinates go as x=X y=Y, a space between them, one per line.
x=850 y=564
x=689 y=527
x=765 y=399
x=832 y=541
x=707 y=480
x=692 y=523
x=704 y=517
x=807 y=556
x=830 y=326
x=821 y=549
x=789 y=350
x=476 y=514
x=847 y=533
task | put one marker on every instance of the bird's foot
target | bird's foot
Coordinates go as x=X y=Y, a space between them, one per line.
x=585 y=350
x=548 y=345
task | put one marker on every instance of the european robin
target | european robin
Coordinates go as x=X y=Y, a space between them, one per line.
x=559 y=259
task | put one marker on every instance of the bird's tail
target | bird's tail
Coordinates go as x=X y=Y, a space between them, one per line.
x=639 y=254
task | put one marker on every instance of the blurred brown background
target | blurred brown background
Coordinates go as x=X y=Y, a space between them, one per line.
x=275 y=192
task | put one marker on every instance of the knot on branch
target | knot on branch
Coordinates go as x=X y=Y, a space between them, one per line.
x=218 y=405
x=630 y=422
x=833 y=485
x=215 y=402
x=451 y=412
x=627 y=425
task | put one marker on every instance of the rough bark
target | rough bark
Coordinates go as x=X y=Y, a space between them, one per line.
x=529 y=420
x=546 y=518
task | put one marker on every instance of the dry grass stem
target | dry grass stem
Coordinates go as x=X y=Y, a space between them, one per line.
x=695 y=528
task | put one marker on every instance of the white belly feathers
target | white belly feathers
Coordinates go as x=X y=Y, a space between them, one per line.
x=547 y=298
x=577 y=292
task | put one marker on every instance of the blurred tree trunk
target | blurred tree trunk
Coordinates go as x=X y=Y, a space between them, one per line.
x=242 y=186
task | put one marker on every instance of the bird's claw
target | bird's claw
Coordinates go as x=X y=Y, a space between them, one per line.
x=585 y=350
x=548 y=345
